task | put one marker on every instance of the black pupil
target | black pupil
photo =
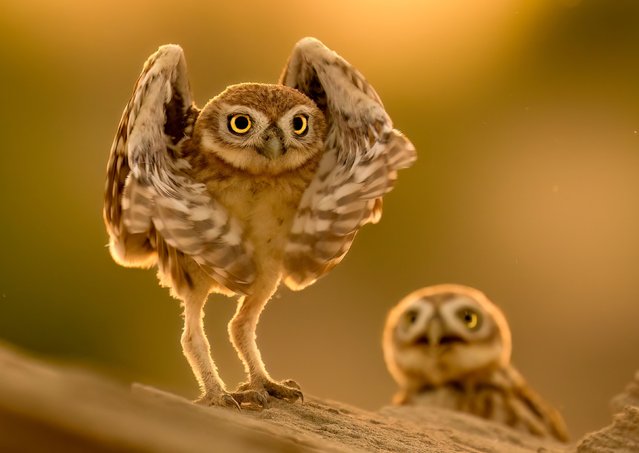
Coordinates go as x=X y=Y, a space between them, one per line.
x=412 y=317
x=241 y=122
x=468 y=317
x=298 y=123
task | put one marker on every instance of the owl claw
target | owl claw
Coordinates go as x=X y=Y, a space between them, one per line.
x=291 y=383
x=288 y=390
x=230 y=401
x=295 y=386
x=245 y=395
x=218 y=399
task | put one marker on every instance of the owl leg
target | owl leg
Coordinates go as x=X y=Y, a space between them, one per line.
x=197 y=351
x=242 y=332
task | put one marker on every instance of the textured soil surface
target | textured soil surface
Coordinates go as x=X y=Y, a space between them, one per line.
x=53 y=408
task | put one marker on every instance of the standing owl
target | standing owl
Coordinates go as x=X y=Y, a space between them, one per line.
x=265 y=183
x=449 y=346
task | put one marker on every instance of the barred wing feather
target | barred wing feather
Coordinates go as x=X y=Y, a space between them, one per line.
x=151 y=202
x=362 y=156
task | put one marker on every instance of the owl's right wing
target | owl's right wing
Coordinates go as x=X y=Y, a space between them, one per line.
x=150 y=199
x=531 y=410
x=363 y=153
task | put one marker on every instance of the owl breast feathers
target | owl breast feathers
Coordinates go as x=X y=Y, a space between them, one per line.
x=183 y=183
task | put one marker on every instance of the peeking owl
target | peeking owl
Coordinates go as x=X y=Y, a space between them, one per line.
x=264 y=184
x=449 y=346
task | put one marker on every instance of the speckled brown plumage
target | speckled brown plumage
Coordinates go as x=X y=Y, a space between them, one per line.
x=265 y=183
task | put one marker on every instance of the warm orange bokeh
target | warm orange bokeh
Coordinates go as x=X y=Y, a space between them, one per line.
x=525 y=115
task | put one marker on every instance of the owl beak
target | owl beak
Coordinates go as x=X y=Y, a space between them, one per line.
x=439 y=337
x=273 y=147
x=435 y=331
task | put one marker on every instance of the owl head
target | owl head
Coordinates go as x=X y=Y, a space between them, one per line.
x=261 y=128
x=444 y=333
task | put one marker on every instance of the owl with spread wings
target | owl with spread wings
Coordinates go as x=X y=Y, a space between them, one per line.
x=266 y=183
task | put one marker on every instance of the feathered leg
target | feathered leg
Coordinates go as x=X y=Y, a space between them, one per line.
x=197 y=351
x=242 y=332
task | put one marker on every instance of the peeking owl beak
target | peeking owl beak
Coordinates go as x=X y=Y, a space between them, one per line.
x=439 y=336
x=435 y=331
x=273 y=147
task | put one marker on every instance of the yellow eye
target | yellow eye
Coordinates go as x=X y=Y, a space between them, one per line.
x=470 y=318
x=300 y=124
x=239 y=123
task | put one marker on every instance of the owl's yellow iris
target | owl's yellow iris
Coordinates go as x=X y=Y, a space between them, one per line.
x=470 y=318
x=300 y=124
x=240 y=123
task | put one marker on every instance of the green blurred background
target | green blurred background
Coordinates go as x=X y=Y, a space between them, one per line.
x=525 y=115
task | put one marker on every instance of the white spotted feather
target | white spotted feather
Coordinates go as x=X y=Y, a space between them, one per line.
x=148 y=188
x=360 y=163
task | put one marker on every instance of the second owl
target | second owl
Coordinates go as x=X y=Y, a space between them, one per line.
x=449 y=346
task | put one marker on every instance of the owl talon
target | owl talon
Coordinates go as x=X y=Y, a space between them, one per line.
x=222 y=400
x=230 y=401
x=291 y=383
x=288 y=390
x=251 y=397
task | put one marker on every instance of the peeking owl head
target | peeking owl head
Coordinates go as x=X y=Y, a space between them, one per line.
x=444 y=333
x=449 y=346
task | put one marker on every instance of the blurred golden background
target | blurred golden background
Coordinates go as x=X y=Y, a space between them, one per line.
x=525 y=115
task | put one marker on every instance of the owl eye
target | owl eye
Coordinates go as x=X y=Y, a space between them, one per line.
x=470 y=318
x=411 y=316
x=239 y=123
x=300 y=124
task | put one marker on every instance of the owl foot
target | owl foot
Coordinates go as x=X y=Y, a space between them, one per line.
x=288 y=390
x=293 y=384
x=222 y=399
x=251 y=397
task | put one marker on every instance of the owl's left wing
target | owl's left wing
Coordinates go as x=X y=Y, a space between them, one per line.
x=362 y=155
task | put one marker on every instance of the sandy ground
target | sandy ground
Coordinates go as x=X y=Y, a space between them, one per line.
x=44 y=406
x=622 y=435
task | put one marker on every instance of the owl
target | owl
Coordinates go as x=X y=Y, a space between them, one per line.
x=449 y=346
x=266 y=183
